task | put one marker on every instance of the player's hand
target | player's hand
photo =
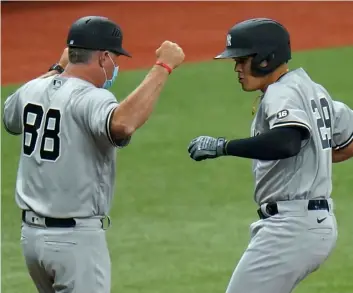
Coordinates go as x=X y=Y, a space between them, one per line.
x=171 y=54
x=64 y=59
x=206 y=147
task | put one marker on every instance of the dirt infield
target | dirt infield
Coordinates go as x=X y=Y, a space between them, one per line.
x=34 y=33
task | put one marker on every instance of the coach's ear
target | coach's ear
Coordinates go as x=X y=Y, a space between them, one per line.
x=100 y=59
x=103 y=56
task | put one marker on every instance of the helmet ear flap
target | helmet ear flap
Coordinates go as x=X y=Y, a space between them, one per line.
x=274 y=57
x=257 y=66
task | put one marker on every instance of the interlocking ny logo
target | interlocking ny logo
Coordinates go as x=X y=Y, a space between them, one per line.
x=229 y=40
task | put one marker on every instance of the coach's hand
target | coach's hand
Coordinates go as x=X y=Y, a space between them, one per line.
x=206 y=147
x=171 y=54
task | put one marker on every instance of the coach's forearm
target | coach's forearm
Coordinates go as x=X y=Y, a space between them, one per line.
x=49 y=73
x=135 y=110
x=342 y=154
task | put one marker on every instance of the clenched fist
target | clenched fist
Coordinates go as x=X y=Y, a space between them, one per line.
x=170 y=53
x=206 y=147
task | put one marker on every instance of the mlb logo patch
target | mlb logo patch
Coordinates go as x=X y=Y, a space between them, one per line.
x=57 y=83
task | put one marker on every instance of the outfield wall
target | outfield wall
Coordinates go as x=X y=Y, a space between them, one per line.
x=34 y=33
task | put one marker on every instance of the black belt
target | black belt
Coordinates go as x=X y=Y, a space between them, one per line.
x=54 y=222
x=314 y=204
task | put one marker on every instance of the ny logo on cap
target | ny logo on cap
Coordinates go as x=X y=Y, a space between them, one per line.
x=229 y=40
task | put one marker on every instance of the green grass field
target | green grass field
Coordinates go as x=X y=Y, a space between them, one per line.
x=181 y=226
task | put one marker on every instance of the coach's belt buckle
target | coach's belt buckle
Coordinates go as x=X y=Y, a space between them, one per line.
x=35 y=220
x=106 y=223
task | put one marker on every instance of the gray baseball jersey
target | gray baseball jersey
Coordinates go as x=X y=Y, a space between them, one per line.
x=67 y=162
x=296 y=100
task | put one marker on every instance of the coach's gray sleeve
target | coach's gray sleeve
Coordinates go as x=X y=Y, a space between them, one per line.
x=343 y=125
x=12 y=116
x=96 y=110
x=284 y=108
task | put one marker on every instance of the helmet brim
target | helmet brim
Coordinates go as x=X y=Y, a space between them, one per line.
x=234 y=53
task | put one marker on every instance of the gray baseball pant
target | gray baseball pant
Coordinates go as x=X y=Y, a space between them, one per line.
x=66 y=260
x=285 y=248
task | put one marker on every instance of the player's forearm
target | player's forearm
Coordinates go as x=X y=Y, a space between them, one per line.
x=135 y=110
x=278 y=143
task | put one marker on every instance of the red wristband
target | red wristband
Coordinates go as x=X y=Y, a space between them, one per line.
x=169 y=69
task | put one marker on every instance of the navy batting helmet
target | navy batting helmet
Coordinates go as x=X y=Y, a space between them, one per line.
x=96 y=33
x=262 y=38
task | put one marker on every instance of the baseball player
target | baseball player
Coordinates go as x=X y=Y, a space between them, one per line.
x=71 y=127
x=293 y=135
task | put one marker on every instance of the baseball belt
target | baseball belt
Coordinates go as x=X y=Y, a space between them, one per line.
x=271 y=208
x=32 y=218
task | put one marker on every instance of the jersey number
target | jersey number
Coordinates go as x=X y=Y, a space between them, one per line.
x=50 y=133
x=323 y=123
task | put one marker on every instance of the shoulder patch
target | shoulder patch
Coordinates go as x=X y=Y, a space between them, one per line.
x=282 y=114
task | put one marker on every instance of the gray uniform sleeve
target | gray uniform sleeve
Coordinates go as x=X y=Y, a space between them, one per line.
x=284 y=108
x=12 y=116
x=343 y=125
x=95 y=111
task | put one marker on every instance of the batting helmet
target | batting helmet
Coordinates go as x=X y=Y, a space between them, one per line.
x=96 y=33
x=262 y=38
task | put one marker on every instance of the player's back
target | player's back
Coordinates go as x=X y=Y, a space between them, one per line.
x=296 y=100
x=65 y=169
